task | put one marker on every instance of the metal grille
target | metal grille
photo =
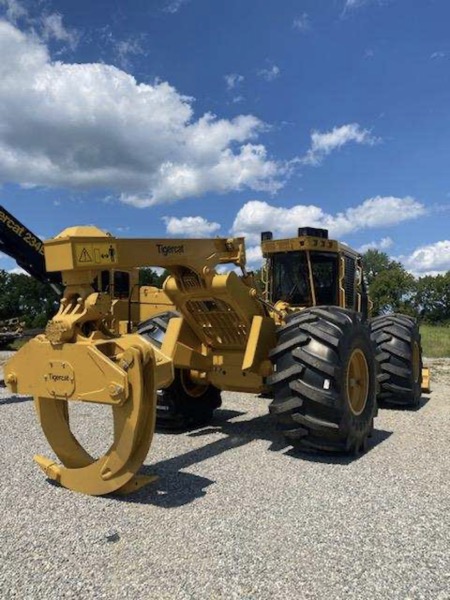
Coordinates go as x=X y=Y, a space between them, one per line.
x=219 y=322
x=349 y=282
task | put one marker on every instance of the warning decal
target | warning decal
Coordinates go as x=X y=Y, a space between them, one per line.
x=88 y=255
x=84 y=256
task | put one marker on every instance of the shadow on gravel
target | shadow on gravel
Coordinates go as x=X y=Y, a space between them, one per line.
x=378 y=437
x=219 y=415
x=15 y=400
x=400 y=407
x=175 y=488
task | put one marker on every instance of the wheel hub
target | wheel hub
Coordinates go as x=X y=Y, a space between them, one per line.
x=357 y=382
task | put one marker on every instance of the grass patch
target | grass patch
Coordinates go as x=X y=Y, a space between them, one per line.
x=435 y=341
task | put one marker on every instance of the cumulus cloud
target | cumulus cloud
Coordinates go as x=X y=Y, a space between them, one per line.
x=93 y=126
x=323 y=144
x=383 y=244
x=254 y=256
x=192 y=227
x=431 y=259
x=256 y=216
x=269 y=74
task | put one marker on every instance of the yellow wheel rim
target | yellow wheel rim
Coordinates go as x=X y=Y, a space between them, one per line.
x=192 y=389
x=357 y=382
x=416 y=362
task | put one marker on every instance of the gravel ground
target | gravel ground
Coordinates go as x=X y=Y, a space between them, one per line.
x=235 y=513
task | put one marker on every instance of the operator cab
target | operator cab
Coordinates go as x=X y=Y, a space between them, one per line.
x=312 y=270
x=292 y=273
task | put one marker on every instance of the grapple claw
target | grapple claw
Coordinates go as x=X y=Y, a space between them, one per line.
x=134 y=415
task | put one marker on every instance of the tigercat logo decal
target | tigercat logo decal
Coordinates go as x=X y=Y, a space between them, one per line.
x=59 y=377
x=166 y=250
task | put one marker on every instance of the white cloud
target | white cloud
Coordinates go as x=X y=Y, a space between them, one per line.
x=269 y=74
x=173 y=6
x=256 y=216
x=351 y=4
x=18 y=271
x=302 y=23
x=438 y=55
x=383 y=244
x=52 y=28
x=124 y=49
x=431 y=259
x=46 y=26
x=192 y=227
x=323 y=144
x=254 y=256
x=233 y=80
x=14 y=10
x=90 y=126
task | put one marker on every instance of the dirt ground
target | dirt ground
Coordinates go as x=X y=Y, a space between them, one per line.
x=234 y=513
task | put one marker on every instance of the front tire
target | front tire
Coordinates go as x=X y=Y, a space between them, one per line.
x=324 y=380
x=399 y=353
x=186 y=404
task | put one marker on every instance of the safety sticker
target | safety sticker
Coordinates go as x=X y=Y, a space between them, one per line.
x=95 y=254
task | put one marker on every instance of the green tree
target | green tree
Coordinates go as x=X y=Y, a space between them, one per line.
x=375 y=262
x=150 y=277
x=391 y=287
x=25 y=297
x=432 y=300
x=393 y=291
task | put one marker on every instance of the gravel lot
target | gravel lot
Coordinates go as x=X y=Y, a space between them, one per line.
x=235 y=514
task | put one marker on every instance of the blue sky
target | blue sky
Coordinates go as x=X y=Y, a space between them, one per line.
x=214 y=117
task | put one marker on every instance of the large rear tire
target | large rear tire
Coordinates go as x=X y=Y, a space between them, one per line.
x=184 y=403
x=324 y=380
x=399 y=354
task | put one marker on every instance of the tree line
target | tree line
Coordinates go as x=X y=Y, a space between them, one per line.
x=391 y=289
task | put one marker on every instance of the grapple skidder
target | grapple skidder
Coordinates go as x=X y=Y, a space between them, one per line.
x=306 y=339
